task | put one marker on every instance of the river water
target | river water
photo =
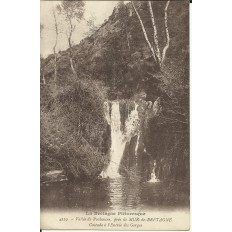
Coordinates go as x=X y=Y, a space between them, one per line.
x=114 y=194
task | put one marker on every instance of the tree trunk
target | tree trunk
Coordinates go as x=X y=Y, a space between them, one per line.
x=145 y=34
x=167 y=32
x=55 y=66
x=70 y=46
x=156 y=42
x=54 y=48
x=72 y=67
x=71 y=57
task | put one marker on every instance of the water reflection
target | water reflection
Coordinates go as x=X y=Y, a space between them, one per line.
x=118 y=194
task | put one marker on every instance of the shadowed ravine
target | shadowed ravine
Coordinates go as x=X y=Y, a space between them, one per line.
x=128 y=181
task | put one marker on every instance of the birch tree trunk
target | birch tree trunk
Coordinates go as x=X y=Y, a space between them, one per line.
x=145 y=33
x=156 y=42
x=55 y=67
x=71 y=58
x=155 y=50
x=54 y=48
x=167 y=31
x=70 y=47
x=72 y=66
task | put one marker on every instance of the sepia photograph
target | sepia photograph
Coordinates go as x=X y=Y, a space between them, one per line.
x=114 y=115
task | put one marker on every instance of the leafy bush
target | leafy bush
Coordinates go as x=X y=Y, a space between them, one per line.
x=73 y=129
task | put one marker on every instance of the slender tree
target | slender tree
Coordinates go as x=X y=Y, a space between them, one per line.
x=154 y=47
x=41 y=59
x=144 y=32
x=55 y=44
x=73 y=12
x=155 y=35
x=167 y=31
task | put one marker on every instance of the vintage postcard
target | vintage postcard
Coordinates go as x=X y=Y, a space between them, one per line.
x=115 y=115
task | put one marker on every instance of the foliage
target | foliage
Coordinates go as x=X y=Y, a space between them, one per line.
x=91 y=25
x=72 y=9
x=73 y=128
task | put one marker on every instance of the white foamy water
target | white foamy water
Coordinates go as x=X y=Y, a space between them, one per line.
x=153 y=176
x=118 y=141
x=136 y=149
x=118 y=136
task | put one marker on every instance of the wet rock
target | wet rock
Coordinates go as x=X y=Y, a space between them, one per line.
x=53 y=176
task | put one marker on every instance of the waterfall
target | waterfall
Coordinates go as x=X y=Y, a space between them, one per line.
x=136 y=149
x=118 y=141
x=123 y=129
x=153 y=175
x=119 y=136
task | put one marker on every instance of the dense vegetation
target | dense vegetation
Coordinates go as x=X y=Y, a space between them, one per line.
x=73 y=129
x=115 y=62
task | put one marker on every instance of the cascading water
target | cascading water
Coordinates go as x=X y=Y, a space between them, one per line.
x=118 y=141
x=136 y=149
x=153 y=175
x=123 y=129
x=119 y=137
